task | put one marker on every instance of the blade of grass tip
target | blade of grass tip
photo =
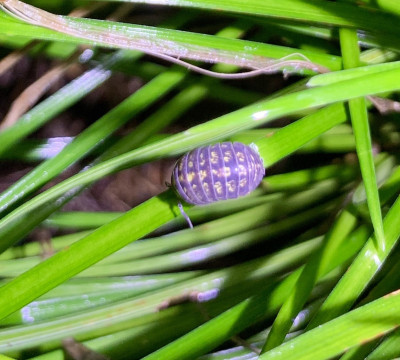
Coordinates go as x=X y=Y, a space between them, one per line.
x=339 y=232
x=361 y=272
x=359 y=120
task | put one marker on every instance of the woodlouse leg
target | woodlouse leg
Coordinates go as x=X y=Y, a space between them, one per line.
x=185 y=215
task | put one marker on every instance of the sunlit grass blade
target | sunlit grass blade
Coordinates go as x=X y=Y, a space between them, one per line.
x=204 y=47
x=359 y=120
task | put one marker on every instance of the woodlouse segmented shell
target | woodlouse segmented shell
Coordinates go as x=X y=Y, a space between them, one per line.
x=217 y=172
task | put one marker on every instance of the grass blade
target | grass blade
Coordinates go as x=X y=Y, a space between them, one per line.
x=359 y=120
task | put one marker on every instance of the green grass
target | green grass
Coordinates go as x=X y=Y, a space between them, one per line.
x=303 y=268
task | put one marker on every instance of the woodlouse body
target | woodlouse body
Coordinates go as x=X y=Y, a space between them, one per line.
x=217 y=172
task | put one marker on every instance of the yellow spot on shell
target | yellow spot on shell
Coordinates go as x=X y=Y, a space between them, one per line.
x=190 y=164
x=214 y=157
x=228 y=156
x=190 y=176
x=206 y=188
x=240 y=156
x=218 y=187
x=231 y=186
x=227 y=171
x=242 y=170
x=202 y=174
x=202 y=160
x=243 y=183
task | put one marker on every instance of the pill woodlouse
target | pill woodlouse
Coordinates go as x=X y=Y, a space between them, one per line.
x=217 y=172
